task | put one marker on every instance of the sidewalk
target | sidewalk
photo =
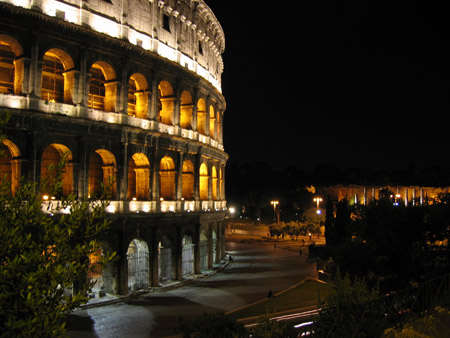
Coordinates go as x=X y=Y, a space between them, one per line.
x=108 y=299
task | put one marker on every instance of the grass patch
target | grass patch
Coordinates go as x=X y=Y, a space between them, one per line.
x=436 y=324
x=301 y=296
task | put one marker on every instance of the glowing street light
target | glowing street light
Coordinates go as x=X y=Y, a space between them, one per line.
x=276 y=212
x=317 y=200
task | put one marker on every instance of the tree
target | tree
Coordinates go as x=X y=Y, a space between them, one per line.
x=342 y=222
x=207 y=325
x=41 y=256
x=271 y=328
x=312 y=221
x=220 y=325
x=351 y=309
x=329 y=222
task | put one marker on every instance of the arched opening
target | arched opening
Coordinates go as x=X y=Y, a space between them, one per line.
x=10 y=169
x=139 y=178
x=137 y=96
x=102 y=174
x=7 y=69
x=187 y=256
x=166 y=103
x=102 y=87
x=212 y=122
x=221 y=184
x=165 y=264
x=52 y=78
x=167 y=178
x=204 y=182
x=214 y=247
x=51 y=156
x=203 y=251
x=201 y=116
x=214 y=183
x=186 y=110
x=188 y=180
x=219 y=126
x=11 y=66
x=103 y=279
x=138 y=265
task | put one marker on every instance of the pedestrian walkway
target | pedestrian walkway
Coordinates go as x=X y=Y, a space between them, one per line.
x=253 y=271
x=108 y=299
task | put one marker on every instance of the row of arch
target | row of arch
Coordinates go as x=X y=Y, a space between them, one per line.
x=58 y=80
x=151 y=263
x=187 y=182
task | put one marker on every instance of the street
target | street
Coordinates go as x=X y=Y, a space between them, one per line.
x=256 y=269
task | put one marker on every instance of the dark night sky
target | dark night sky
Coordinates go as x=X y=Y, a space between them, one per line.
x=349 y=83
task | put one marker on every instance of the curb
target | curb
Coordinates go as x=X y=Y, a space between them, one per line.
x=135 y=294
x=264 y=299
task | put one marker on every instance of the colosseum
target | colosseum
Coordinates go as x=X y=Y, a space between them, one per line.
x=131 y=90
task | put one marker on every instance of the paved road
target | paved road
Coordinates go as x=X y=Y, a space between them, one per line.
x=255 y=270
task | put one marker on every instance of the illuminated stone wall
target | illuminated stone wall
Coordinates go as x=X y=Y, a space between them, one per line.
x=131 y=91
x=357 y=194
x=186 y=32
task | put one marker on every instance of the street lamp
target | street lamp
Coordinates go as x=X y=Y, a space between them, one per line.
x=275 y=213
x=317 y=200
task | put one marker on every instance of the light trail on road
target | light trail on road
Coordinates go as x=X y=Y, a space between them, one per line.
x=290 y=317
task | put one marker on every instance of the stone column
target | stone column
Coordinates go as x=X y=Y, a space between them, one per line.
x=112 y=96
x=154 y=267
x=210 y=248
x=71 y=87
x=22 y=75
x=178 y=254
x=179 y=178
x=196 y=242
x=154 y=107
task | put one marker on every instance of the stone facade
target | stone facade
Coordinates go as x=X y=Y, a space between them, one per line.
x=130 y=91
x=359 y=194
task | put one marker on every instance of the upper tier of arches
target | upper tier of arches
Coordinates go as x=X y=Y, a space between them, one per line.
x=88 y=85
x=185 y=32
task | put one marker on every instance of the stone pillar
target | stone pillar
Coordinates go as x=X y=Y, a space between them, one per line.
x=178 y=254
x=210 y=249
x=22 y=75
x=124 y=177
x=143 y=100
x=196 y=242
x=34 y=79
x=194 y=110
x=154 y=267
x=154 y=106
x=208 y=117
x=179 y=178
x=112 y=97
x=220 y=128
x=122 y=265
x=176 y=110
x=71 y=87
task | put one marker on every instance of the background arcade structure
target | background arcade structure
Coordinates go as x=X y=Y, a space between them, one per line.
x=131 y=91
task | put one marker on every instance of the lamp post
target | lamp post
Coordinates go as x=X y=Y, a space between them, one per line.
x=276 y=213
x=317 y=200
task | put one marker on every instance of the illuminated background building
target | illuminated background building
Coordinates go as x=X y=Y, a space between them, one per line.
x=131 y=90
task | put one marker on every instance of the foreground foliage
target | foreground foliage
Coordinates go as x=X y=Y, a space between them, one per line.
x=43 y=256
x=389 y=243
x=211 y=325
x=431 y=325
x=351 y=309
x=220 y=325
